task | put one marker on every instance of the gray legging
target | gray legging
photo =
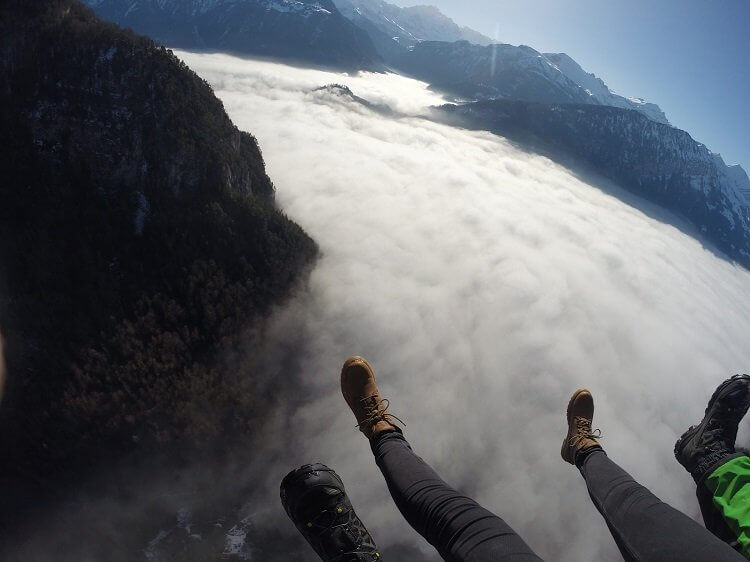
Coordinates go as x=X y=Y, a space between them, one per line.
x=644 y=527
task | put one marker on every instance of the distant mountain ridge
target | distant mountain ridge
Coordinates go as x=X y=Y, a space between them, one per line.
x=597 y=88
x=473 y=72
x=305 y=31
x=409 y=25
x=478 y=71
x=362 y=34
x=658 y=162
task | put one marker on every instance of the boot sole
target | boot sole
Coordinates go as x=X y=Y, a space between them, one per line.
x=301 y=473
x=694 y=429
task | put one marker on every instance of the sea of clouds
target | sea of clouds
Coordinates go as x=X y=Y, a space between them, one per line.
x=485 y=284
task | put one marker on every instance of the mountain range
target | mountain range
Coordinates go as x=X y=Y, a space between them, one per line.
x=660 y=163
x=423 y=43
x=301 y=31
x=408 y=25
x=549 y=98
x=597 y=89
x=419 y=41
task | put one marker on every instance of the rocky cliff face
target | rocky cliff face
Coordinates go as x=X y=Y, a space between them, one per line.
x=474 y=72
x=305 y=31
x=658 y=162
x=131 y=111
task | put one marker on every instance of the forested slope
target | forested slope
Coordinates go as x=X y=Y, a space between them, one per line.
x=139 y=242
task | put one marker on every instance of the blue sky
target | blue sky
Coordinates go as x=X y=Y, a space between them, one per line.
x=692 y=57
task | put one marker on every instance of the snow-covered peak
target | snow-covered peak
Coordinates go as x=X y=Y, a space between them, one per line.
x=734 y=178
x=596 y=87
x=650 y=110
x=739 y=175
x=588 y=81
x=414 y=23
x=295 y=6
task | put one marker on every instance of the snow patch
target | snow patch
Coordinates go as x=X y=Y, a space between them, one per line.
x=151 y=551
x=293 y=6
x=108 y=55
x=236 y=543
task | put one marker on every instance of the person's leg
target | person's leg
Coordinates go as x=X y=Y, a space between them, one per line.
x=644 y=527
x=729 y=485
x=459 y=528
x=713 y=519
x=704 y=448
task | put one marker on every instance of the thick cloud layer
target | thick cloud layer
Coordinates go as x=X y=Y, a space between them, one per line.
x=485 y=284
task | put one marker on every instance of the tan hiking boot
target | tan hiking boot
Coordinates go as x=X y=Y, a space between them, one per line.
x=580 y=416
x=361 y=393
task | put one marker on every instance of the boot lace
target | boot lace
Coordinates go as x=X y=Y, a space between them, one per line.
x=583 y=431
x=375 y=411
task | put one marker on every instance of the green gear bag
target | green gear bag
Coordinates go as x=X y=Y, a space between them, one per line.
x=730 y=486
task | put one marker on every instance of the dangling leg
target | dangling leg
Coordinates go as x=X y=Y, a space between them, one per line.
x=644 y=527
x=458 y=527
x=721 y=474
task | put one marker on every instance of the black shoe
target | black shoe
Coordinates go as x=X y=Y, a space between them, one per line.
x=704 y=447
x=316 y=502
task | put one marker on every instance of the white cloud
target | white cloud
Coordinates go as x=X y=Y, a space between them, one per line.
x=485 y=284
